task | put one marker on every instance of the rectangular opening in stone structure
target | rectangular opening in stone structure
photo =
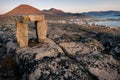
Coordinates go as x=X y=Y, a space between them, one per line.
x=32 y=34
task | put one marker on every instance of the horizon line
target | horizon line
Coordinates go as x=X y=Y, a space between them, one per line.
x=63 y=10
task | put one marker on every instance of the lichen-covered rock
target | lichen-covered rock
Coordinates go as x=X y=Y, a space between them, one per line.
x=76 y=54
x=112 y=48
x=94 y=44
x=48 y=61
x=58 y=68
x=49 y=49
x=97 y=63
x=11 y=46
x=28 y=58
x=102 y=74
x=75 y=48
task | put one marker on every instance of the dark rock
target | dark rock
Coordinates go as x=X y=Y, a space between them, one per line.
x=11 y=46
x=2 y=53
x=1 y=45
x=7 y=69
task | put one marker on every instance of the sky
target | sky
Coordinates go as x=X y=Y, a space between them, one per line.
x=74 y=6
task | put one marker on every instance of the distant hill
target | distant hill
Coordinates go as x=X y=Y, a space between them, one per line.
x=57 y=14
x=53 y=11
x=102 y=13
x=23 y=10
x=20 y=10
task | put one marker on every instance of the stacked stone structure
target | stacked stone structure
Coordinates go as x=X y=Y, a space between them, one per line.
x=22 y=28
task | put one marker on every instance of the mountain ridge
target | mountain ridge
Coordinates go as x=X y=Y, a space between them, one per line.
x=102 y=13
x=53 y=11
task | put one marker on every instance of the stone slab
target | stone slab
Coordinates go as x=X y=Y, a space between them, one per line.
x=22 y=34
x=42 y=30
x=36 y=18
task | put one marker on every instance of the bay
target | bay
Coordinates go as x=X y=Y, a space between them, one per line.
x=106 y=23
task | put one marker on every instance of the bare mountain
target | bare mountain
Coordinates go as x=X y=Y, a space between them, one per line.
x=60 y=14
x=20 y=10
x=23 y=10
x=53 y=11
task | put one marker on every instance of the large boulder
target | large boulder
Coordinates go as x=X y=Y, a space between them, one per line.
x=28 y=55
x=48 y=61
x=48 y=49
x=90 y=56
x=73 y=48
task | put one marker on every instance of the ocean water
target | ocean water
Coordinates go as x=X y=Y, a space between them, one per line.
x=107 y=23
x=107 y=17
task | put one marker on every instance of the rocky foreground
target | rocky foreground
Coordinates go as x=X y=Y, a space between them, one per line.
x=71 y=52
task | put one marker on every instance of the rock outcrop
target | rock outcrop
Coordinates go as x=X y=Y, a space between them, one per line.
x=48 y=61
x=48 y=49
x=69 y=60
x=70 y=53
x=93 y=60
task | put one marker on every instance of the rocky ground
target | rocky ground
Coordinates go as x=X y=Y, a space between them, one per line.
x=71 y=52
